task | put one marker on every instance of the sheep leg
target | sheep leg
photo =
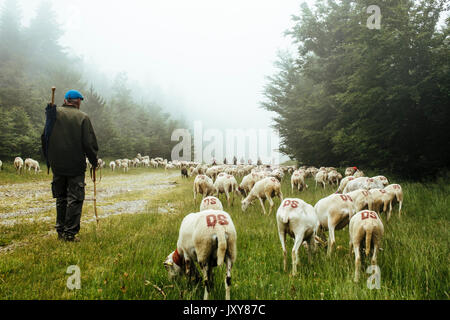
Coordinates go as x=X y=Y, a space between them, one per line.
x=282 y=236
x=357 y=262
x=228 y=278
x=270 y=202
x=262 y=205
x=331 y=239
x=205 y=271
x=295 y=249
x=374 y=255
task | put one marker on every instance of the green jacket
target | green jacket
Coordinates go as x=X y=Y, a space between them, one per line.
x=71 y=141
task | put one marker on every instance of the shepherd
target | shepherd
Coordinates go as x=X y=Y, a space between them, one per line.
x=67 y=140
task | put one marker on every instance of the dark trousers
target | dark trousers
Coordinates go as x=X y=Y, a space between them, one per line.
x=69 y=194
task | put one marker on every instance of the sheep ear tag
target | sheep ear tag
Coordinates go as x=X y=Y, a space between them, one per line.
x=176 y=258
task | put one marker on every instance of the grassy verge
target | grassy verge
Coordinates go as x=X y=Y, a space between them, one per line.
x=123 y=258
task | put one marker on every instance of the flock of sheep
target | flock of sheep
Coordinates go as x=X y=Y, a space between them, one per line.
x=26 y=165
x=208 y=237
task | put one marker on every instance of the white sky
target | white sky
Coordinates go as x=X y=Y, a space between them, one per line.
x=210 y=56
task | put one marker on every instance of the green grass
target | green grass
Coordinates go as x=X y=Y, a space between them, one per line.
x=123 y=258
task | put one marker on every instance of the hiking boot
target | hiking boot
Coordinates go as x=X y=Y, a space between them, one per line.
x=71 y=239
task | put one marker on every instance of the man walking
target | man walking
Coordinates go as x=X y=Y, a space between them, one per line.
x=66 y=143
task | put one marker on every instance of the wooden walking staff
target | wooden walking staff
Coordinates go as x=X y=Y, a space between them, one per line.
x=53 y=95
x=94 y=180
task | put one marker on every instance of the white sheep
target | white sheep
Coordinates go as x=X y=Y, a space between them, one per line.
x=208 y=238
x=262 y=190
x=334 y=213
x=298 y=180
x=344 y=183
x=18 y=164
x=367 y=228
x=112 y=165
x=124 y=165
x=227 y=184
x=33 y=164
x=384 y=181
x=358 y=173
x=395 y=189
x=362 y=199
x=362 y=183
x=298 y=219
x=321 y=177
x=211 y=203
x=349 y=171
x=203 y=185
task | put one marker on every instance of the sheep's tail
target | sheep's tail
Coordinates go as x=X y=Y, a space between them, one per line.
x=368 y=240
x=221 y=245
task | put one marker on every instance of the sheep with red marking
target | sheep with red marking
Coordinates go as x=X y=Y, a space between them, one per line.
x=383 y=180
x=298 y=180
x=321 y=177
x=203 y=185
x=264 y=189
x=227 y=184
x=334 y=213
x=362 y=183
x=343 y=183
x=366 y=230
x=208 y=238
x=211 y=203
x=397 y=191
x=349 y=171
x=298 y=219
x=362 y=199
x=249 y=181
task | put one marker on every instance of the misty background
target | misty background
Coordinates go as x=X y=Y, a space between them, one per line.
x=199 y=60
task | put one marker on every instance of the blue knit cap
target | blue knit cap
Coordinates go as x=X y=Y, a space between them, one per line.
x=73 y=94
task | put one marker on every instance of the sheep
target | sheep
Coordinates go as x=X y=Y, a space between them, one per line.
x=382 y=179
x=248 y=182
x=124 y=165
x=211 y=203
x=343 y=183
x=334 y=177
x=208 y=238
x=203 y=185
x=112 y=165
x=396 y=190
x=18 y=164
x=154 y=163
x=298 y=219
x=362 y=183
x=184 y=172
x=365 y=227
x=385 y=197
x=277 y=173
x=263 y=189
x=118 y=163
x=100 y=163
x=349 y=171
x=358 y=173
x=226 y=184
x=321 y=177
x=334 y=213
x=361 y=199
x=33 y=164
x=298 y=180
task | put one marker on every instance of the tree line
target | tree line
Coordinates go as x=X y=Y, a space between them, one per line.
x=32 y=61
x=374 y=98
